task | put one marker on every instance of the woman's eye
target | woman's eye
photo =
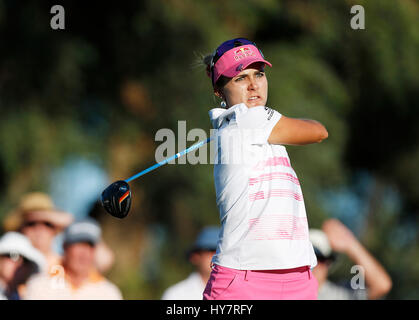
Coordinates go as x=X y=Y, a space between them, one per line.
x=260 y=74
x=239 y=79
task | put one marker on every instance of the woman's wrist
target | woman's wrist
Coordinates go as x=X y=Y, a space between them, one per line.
x=354 y=250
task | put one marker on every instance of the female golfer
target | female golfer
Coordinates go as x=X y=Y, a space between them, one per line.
x=263 y=249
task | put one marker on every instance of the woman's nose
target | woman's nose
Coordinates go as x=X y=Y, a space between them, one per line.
x=252 y=83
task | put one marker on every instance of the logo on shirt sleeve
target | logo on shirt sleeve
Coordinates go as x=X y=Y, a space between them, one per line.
x=270 y=112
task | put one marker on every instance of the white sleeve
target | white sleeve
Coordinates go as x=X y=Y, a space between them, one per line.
x=258 y=123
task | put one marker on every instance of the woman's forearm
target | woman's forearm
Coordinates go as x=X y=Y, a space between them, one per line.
x=378 y=281
x=297 y=132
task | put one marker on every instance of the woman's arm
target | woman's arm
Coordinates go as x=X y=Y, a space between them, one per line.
x=297 y=132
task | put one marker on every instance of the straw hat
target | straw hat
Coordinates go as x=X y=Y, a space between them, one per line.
x=36 y=206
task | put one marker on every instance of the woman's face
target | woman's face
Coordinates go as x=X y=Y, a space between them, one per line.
x=8 y=267
x=40 y=233
x=79 y=258
x=250 y=87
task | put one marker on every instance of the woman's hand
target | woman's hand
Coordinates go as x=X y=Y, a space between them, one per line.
x=297 y=132
x=340 y=237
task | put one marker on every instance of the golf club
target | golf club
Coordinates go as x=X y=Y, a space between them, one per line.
x=116 y=198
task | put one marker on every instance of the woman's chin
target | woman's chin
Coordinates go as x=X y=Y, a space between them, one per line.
x=255 y=103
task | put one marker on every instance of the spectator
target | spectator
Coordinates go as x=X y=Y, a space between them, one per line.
x=38 y=219
x=79 y=278
x=200 y=257
x=336 y=238
x=19 y=260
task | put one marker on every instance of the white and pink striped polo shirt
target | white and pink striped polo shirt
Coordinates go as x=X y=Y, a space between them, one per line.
x=263 y=219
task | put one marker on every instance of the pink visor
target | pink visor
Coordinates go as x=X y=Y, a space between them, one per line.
x=235 y=60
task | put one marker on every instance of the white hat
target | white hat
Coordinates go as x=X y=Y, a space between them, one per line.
x=320 y=243
x=16 y=243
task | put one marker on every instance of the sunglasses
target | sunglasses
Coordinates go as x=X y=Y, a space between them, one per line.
x=11 y=255
x=34 y=223
x=226 y=46
x=324 y=259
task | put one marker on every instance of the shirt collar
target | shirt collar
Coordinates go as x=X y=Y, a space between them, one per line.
x=219 y=115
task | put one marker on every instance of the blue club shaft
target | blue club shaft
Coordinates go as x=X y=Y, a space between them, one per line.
x=163 y=162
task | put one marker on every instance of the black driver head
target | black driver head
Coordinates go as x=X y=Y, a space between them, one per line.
x=116 y=199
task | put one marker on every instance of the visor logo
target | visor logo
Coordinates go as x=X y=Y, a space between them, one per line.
x=243 y=53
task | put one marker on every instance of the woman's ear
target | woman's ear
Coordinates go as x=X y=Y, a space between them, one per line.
x=219 y=94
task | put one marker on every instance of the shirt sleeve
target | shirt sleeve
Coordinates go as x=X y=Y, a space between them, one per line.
x=257 y=123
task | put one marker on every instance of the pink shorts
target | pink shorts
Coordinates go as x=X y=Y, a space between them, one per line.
x=288 y=284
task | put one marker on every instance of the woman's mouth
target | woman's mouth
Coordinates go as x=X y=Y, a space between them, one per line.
x=254 y=98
